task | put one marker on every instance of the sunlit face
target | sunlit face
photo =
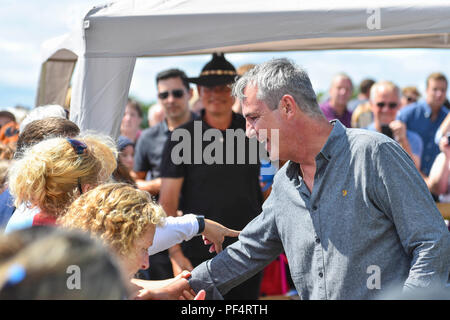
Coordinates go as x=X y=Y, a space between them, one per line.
x=436 y=93
x=385 y=105
x=340 y=92
x=216 y=100
x=127 y=157
x=262 y=123
x=137 y=258
x=131 y=120
x=174 y=97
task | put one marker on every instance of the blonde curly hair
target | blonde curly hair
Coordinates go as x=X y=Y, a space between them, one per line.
x=115 y=212
x=47 y=174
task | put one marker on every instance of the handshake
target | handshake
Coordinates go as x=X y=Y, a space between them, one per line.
x=177 y=288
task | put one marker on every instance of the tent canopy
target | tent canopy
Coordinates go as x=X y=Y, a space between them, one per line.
x=113 y=35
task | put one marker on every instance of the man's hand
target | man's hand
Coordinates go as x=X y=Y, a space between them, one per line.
x=444 y=146
x=177 y=288
x=215 y=234
x=151 y=186
x=398 y=130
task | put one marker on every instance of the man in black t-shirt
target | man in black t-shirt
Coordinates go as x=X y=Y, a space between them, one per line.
x=210 y=167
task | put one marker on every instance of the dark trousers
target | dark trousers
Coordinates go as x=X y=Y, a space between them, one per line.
x=247 y=290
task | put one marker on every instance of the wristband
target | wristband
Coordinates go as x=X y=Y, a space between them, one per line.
x=201 y=224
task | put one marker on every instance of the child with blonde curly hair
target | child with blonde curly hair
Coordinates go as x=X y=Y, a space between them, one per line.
x=125 y=219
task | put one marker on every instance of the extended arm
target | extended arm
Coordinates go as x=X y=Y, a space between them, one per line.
x=258 y=245
x=153 y=186
x=184 y=228
x=170 y=289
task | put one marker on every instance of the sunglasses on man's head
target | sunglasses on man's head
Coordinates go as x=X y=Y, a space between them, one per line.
x=178 y=93
x=391 y=105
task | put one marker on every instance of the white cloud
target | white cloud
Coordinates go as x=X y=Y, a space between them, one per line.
x=25 y=26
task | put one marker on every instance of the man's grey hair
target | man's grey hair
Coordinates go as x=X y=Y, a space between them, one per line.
x=384 y=83
x=276 y=78
x=342 y=75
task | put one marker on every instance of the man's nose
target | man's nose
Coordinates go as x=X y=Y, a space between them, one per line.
x=250 y=132
x=170 y=98
x=343 y=91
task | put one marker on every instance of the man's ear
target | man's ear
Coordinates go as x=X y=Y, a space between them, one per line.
x=288 y=106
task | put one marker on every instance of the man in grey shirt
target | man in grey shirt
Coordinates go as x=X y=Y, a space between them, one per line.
x=349 y=208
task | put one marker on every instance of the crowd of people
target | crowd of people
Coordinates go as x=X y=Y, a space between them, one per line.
x=337 y=188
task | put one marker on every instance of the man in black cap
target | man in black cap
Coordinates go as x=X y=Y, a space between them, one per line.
x=218 y=186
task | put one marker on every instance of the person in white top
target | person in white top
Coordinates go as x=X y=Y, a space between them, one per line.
x=125 y=218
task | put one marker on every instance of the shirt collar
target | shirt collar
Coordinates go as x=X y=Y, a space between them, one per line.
x=330 y=149
x=426 y=109
x=165 y=127
x=332 y=146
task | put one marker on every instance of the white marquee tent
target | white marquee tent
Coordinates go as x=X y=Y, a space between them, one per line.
x=114 y=35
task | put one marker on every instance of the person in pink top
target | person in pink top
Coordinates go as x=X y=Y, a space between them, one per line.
x=336 y=106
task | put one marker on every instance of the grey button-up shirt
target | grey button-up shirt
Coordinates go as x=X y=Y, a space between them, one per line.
x=369 y=223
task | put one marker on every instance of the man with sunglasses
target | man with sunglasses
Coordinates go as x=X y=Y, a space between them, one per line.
x=174 y=94
x=385 y=103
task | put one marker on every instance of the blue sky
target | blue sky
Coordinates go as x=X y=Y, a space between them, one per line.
x=26 y=24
